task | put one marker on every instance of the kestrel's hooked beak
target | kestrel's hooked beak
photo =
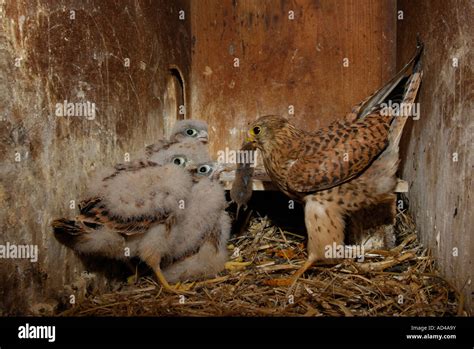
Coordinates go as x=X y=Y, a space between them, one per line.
x=191 y=167
x=218 y=169
x=223 y=167
x=203 y=136
x=250 y=138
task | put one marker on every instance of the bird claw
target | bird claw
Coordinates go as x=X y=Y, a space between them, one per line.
x=179 y=289
x=132 y=279
x=234 y=266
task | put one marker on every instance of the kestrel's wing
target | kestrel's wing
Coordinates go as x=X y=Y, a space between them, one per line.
x=156 y=147
x=323 y=166
x=140 y=163
x=94 y=214
x=340 y=153
x=131 y=201
x=129 y=166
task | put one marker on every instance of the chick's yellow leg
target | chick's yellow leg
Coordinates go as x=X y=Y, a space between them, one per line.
x=163 y=281
x=178 y=288
x=154 y=260
x=233 y=265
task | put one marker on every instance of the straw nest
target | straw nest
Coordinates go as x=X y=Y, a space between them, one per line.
x=402 y=281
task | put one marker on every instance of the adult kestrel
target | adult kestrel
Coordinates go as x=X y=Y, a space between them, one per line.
x=340 y=168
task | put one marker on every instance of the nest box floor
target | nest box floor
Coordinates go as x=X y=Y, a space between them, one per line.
x=402 y=281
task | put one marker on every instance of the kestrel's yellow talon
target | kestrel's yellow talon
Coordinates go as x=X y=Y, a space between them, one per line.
x=132 y=279
x=166 y=286
x=234 y=266
x=183 y=289
x=182 y=286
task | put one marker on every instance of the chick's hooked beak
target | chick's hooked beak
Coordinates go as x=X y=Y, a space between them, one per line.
x=191 y=167
x=220 y=168
x=203 y=136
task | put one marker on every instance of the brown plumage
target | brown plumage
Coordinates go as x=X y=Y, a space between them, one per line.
x=340 y=168
x=301 y=162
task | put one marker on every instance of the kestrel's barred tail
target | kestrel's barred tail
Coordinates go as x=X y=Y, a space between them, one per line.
x=390 y=91
x=379 y=180
x=408 y=101
x=68 y=232
x=66 y=226
x=376 y=183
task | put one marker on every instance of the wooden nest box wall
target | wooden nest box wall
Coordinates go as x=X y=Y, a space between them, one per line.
x=250 y=58
x=147 y=64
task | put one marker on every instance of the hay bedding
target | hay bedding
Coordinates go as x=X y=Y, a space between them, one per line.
x=402 y=281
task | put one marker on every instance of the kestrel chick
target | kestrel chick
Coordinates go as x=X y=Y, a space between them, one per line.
x=188 y=153
x=209 y=169
x=343 y=167
x=184 y=131
x=130 y=215
x=151 y=211
x=202 y=250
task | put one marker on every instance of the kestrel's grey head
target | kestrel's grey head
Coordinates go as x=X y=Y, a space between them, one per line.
x=264 y=130
x=180 y=160
x=185 y=130
x=211 y=170
x=194 y=153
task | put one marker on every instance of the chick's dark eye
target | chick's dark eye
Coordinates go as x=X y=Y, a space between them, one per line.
x=179 y=161
x=191 y=132
x=256 y=130
x=204 y=169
